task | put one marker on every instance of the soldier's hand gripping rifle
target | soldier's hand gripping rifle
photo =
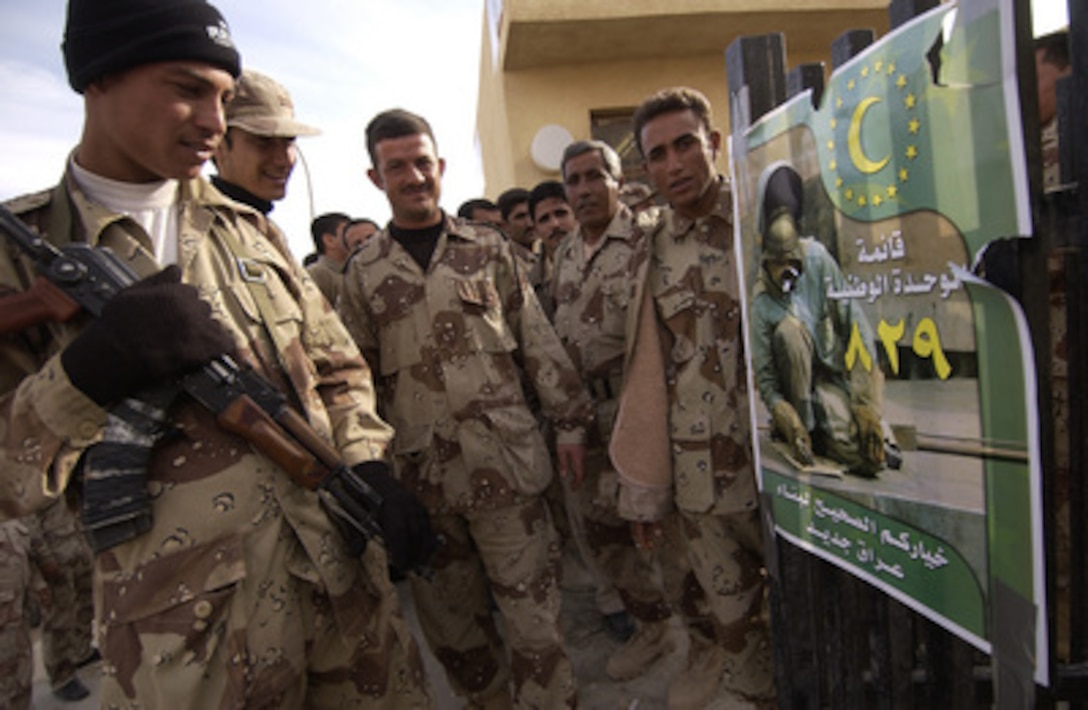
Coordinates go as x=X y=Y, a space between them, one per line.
x=115 y=503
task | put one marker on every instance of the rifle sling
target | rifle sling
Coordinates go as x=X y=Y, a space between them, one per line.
x=253 y=273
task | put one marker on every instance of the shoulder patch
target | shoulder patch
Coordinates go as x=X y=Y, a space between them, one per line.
x=482 y=231
x=468 y=229
x=376 y=247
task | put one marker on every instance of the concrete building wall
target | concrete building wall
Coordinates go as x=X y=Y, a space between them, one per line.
x=560 y=60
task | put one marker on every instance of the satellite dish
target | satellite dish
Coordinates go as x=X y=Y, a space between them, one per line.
x=548 y=146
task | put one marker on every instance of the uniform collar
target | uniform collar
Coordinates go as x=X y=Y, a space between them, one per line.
x=678 y=226
x=240 y=194
x=381 y=244
x=76 y=214
x=464 y=229
x=86 y=220
x=621 y=228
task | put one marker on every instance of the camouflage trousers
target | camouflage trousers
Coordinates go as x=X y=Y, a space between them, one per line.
x=63 y=559
x=605 y=542
x=714 y=574
x=512 y=553
x=253 y=628
x=16 y=657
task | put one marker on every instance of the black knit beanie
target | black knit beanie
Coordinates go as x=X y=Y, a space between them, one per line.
x=104 y=36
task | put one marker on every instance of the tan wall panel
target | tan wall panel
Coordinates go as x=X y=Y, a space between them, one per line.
x=566 y=95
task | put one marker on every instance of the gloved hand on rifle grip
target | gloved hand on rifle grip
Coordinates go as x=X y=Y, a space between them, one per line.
x=154 y=330
x=409 y=538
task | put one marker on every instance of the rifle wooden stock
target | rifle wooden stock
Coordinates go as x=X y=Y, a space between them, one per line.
x=80 y=277
x=305 y=434
x=244 y=418
x=42 y=302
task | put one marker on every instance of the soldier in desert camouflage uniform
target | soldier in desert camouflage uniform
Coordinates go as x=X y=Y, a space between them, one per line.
x=44 y=559
x=243 y=593
x=553 y=220
x=16 y=655
x=62 y=558
x=1052 y=64
x=517 y=224
x=688 y=294
x=448 y=323
x=592 y=287
x=327 y=270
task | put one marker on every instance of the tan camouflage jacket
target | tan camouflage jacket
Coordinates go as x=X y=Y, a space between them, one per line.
x=219 y=508
x=694 y=277
x=533 y=267
x=1052 y=163
x=327 y=275
x=591 y=302
x=449 y=347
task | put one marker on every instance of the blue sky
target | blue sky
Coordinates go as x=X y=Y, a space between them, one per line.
x=342 y=61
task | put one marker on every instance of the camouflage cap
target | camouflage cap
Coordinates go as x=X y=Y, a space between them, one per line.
x=263 y=107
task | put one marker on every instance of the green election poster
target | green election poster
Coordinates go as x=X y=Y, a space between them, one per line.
x=894 y=408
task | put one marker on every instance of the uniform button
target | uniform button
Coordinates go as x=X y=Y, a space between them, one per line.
x=202 y=609
x=87 y=429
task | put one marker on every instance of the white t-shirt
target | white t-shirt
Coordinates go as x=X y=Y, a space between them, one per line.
x=153 y=205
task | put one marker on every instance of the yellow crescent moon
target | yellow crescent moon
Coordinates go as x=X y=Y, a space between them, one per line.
x=853 y=139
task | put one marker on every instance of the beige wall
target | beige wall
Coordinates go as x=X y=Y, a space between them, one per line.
x=492 y=127
x=566 y=95
x=580 y=9
x=509 y=118
x=514 y=104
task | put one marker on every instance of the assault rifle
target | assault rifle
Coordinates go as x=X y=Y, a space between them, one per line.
x=115 y=504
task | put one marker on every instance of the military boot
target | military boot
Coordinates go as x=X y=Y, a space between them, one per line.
x=72 y=691
x=649 y=643
x=699 y=682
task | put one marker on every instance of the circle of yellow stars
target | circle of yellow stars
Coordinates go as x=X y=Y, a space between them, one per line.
x=875 y=193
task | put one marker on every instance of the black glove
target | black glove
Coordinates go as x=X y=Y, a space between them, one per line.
x=409 y=538
x=151 y=331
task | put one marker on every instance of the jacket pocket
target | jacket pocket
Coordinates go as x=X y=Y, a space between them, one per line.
x=676 y=308
x=524 y=455
x=185 y=601
x=411 y=443
x=484 y=327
